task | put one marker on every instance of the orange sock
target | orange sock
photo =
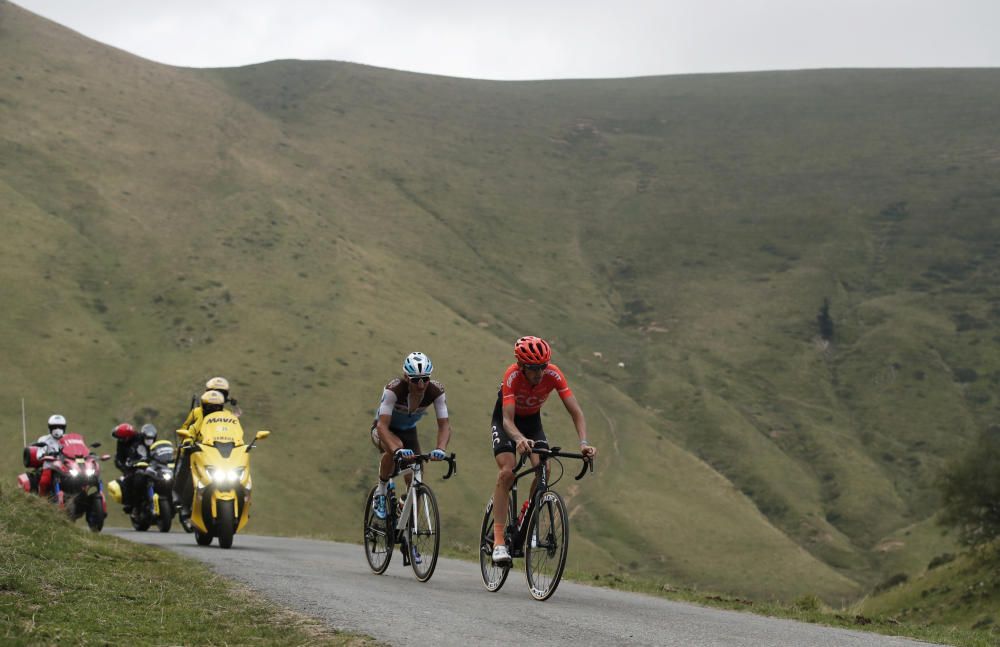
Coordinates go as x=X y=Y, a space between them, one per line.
x=498 y=534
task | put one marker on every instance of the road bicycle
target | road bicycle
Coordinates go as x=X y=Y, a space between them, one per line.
x=411 y=521
x=540 y=535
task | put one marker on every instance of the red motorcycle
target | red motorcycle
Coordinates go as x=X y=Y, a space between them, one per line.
x=76 y=479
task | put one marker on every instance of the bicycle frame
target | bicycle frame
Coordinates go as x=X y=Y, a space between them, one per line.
x=413 y=466
x=545 y=520
x=408 y=525
x=517 y=532
x=406 y=514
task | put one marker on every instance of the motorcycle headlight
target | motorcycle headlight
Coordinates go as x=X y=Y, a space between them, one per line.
x=225 y=477
x=167 y=476
x=90 y=471
x=74 y=472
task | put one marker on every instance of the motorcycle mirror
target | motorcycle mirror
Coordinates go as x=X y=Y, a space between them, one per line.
x=105 y=457
x=95 y=444
x=262 y=434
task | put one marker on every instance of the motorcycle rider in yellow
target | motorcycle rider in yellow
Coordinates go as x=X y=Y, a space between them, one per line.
x=211 y=401
x=219 y=384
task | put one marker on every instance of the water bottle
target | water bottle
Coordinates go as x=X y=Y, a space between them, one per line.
x=524 y=509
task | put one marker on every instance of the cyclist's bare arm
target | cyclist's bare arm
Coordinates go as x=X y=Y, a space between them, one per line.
x=444 y=433
x=580 y=422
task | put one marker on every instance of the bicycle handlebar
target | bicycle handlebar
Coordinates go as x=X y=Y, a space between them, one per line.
x=556 y=452
x=423 y=458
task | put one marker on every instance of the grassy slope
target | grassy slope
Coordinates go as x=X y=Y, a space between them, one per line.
x=964 y=592
x=64 y=585
x=300 y=226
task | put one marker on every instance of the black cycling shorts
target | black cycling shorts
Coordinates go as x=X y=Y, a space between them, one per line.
x=407 y=436
x=530 y=426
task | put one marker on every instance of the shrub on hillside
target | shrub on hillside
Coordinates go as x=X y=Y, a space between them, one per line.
x=825 y=321
x=892 y=581
x=940 y=560
x=971 y=491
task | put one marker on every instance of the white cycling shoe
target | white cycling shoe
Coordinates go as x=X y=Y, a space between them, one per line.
x=501 y=556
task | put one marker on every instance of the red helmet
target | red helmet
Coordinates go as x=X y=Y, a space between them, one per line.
x=123 y=431
x=532 y=350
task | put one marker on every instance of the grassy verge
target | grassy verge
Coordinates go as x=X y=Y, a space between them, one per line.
x=807 y=608
x=61 y=584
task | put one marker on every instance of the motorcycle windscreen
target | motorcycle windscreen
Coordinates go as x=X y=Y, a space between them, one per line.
x=73 y=446
x=221 y=427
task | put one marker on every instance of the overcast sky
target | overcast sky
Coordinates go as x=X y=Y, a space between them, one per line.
x=536 y=39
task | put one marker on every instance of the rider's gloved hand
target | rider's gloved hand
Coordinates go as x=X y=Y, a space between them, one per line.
x=404 y=453
x=438 y=455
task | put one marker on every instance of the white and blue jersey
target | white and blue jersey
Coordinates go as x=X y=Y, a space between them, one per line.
x=396 y=402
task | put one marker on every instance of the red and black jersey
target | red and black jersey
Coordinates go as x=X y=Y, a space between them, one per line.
x=528 y=398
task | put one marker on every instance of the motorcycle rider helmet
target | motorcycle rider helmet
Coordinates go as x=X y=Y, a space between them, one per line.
x=163 y=451
x=212 y=401
x=532 y=350
x=124 y=431
x=417 y=364
x=57 y=426
x=219 y=384
x=148 y=433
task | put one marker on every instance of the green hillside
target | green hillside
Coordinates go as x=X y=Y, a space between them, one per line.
x=300 y=226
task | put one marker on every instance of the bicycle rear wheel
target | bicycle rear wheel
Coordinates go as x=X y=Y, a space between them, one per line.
x=378 y=538
x=546 y=545
x=422 y=532
x=493 y=576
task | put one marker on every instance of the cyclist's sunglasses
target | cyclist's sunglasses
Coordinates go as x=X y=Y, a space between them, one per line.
x=423 y=378
x=535 y=367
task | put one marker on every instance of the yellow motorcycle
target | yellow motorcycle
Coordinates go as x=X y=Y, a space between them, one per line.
x=220 y=470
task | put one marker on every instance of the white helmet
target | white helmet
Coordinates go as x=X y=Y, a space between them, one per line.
x=148 y=433
x=57 y=425
x=417 y=364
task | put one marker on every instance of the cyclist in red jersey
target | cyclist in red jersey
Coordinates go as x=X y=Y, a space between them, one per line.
x=517 y=422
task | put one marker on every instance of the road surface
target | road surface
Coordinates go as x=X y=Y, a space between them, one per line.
x=331 y=581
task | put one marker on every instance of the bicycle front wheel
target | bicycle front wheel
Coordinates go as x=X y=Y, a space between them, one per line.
x=422 y=532
x=493 y=576
x=546 y=545
x=378 y=538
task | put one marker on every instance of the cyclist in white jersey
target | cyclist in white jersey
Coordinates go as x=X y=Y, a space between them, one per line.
x=404 y=402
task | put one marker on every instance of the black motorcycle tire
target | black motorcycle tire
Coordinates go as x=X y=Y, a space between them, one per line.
x=225 y=523
x=166 y=515
x=203 y=538
x=95 y=514
x=142 y=523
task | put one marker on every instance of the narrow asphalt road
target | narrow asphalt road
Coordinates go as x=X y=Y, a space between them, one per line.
x=332 y=582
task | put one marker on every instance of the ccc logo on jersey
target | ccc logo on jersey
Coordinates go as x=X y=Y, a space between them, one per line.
x=531 y=401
